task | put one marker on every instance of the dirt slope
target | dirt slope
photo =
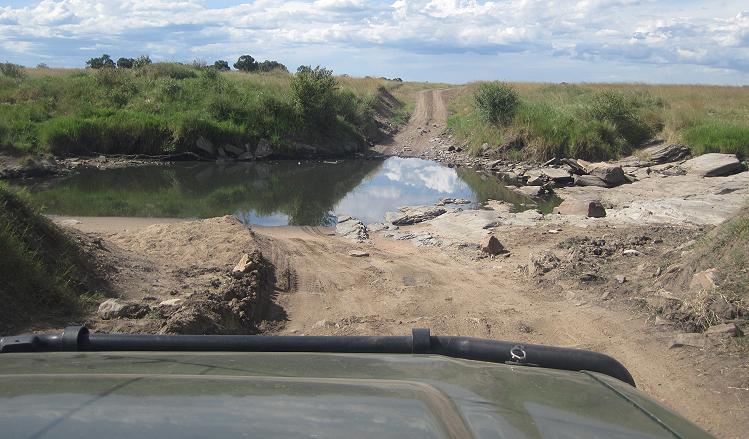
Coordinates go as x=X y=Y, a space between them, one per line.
x=428 y=121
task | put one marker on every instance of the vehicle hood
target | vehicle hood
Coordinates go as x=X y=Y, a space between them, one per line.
x=186 y=395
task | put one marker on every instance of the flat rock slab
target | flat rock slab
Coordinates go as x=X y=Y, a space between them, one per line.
x=352 y=229
x=713 y=165
x=667 y=153
x=466 y=225
x=412 y=215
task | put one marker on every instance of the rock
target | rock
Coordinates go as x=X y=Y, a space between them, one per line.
x=263 y=149
x=713 y=165
x=590 y=208
x=444 y=201
x=606 y=295
x=667 y=153
x=543 y=263
x=321 y=324
x=221 y=152
x=172 y=302
x=612 y=175
x=352 y=229
x=620 y=278
x=243 y=266
x=491 y=245
x=413 y=215
x=559 y=176
x=631 y=252
x=358 y=254
x=660 y=321
x=376 y=227
x=589 y=277
x=204 y=144
x=576 y=168
x=589 y=180
x=703 y=280
x=528 y=191
x=113 y=309
x=725 y=329
x=552 y=161
x=689 y=339
x=234 y=150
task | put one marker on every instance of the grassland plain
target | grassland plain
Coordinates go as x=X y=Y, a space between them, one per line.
x=164 y=108
x=602 y=121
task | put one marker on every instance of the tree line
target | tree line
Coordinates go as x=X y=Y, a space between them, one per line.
x=245 y=63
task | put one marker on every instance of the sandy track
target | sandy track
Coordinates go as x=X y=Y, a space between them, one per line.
x=428 y=121
x=401 y=286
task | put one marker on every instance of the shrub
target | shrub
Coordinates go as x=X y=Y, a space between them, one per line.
x=190 y=127
x=314 y=92
x=496 y=102
x=718 y=136
x=624 y=112
x=141 y=61
x=269 y=66
x=11 y=70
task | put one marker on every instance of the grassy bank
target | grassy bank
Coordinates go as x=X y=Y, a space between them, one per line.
x=165 y=108
x=603 y=121
x=46 y=279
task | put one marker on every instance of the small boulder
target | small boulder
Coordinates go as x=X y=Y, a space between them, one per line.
x=667 y=153
x=612 y=175
x=631 y=252
x=358 y=254
x=703 y=280
x=172 y=302
x=620 y=278
x=713 y=165
x=491 y=245
x=243 y=266
x=205 y=145
x=412 y=215
x=113 y=309
x=724 y=330
x=589 y=180
x=263 y=149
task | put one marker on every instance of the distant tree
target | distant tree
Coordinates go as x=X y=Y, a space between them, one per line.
x=304 y=69
x=141 y=61
x=246 y=63
x=221 y=65
x=11 y=70
x=269 y=66
x=104 y=61
x=125 y=63
x=42 y=65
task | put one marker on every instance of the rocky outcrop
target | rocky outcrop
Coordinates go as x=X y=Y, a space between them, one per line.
x=667 y=153
x=612 y=175
x=713 y=165
x=412 y=215
x=116 y=309
x=587 y=208
x=491 y=245
x=543 y=263
x=352 y=228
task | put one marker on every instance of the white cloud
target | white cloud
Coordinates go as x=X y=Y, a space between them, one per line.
x=645 y=32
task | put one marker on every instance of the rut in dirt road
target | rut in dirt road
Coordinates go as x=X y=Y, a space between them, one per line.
x=428 y=120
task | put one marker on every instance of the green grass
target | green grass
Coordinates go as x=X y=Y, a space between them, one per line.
x=164 y=108
x=605 y=121
x=44 y=274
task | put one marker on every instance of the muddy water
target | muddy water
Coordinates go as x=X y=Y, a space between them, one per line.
x=272 y=193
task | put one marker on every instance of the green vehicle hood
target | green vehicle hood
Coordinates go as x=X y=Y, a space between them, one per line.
x=316 y=395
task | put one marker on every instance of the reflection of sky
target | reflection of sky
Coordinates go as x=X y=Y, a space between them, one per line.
x=402 y=182
x=250 y=217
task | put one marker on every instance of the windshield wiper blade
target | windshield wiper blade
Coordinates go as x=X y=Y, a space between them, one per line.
x=78 y=338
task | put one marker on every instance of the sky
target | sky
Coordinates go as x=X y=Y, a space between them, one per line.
x=456 y=41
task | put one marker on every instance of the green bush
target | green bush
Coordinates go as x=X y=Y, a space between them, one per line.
x=625 y=113
x=314 y=92
x=496 y=102
x=118 y=133
x=718 y=136
x=11 y=70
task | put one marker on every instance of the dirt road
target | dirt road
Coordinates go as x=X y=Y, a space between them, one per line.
x=428 y=121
